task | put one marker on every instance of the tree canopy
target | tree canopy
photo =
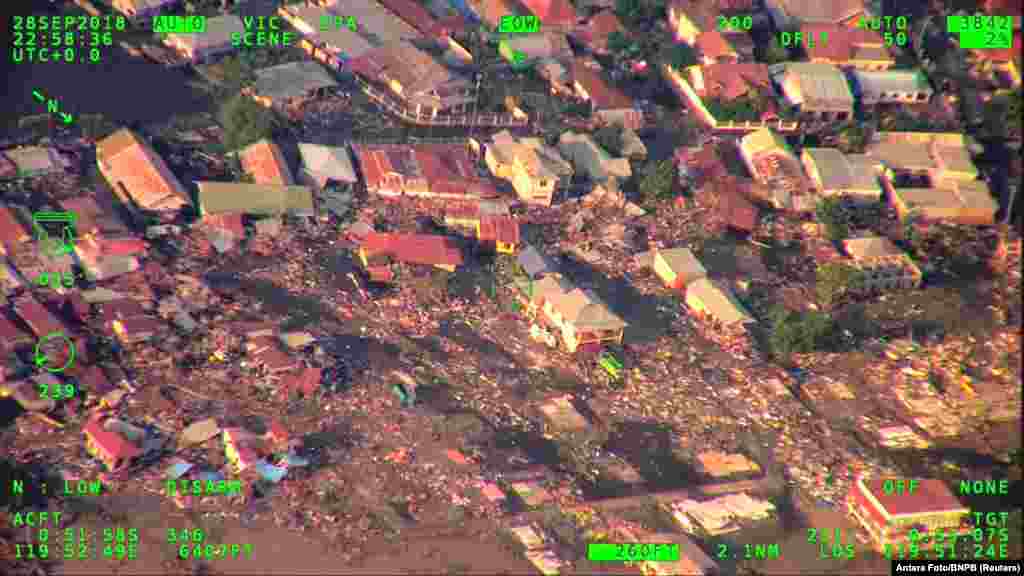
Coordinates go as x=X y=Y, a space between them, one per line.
x=830 y=213
x=244 y=122
x=656 y=180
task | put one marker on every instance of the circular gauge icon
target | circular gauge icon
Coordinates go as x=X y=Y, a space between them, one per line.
x=54 y=352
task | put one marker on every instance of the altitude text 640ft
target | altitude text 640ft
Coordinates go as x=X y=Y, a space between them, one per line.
x=68 y=55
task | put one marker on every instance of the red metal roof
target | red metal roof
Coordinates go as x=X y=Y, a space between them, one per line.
x=552 y=12
x=414 y=15
x=836 y=42
x=234 y=223
x=266 y=164
x=374 y=164
x=415 y=248
x=10 y=334
x=929 y=496
x=730 y=80
x=306 y=381
x=37 y=317
x=124 y=246
x=11 y=230
x=600 y=27
x=714 y=45
x=603 y=95
x=144 y=174
x=739 y=212
x=113 y=444
x=500 y=229
x=87 y=213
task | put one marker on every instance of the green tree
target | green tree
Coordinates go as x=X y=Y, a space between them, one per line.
x=830 y=213
x=609 y=137
x=656 y=181
x=678 y=56
x=244 y=122
x=835 y=280
x=775 y=52
x=617 y=42
x=795 y=332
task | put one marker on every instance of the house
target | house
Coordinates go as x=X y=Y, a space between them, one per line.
x=307 y=381
x=109 y=447
x=215 y=41
x=490 y=11
x=469 y=214
x=416 y=16
x=717 y=85
x=288 y=84
x=677 y=267
x=943 y=162
x=332 y=45
x=969 y=202
x=556 y=14
x=889 y=514
x=705 y=297
x=241 y=448
x=719 y=465
x=816 y=91
x=589 y=159
x=835 y=174
x=688 y=19
x=607 y=102
x=692 y=560
x=429 y=250
x=772 y=163
x=141 y=9
x=858 y=47
x=135 y=329
x=499 y=232
x=938 y=156
x=736 y=209
x=12 y=232
x=883 y=266
x=578 y=315
x=598 y=29
x=891 y=87
x=34 y=161
x=713 y=48
x=138 y=175
x=239 y=197
x=535 y=170
x=413 y=77
x=265 y=163
x=376 y=22
x=89 y=217
x=38 y=319
x=789 y=14
x=545 y=45
x=323 y=165
x=426 y=170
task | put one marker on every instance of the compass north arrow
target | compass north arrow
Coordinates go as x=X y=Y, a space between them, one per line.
x=66 y=117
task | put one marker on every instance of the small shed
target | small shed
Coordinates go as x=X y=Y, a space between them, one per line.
x=705 y=297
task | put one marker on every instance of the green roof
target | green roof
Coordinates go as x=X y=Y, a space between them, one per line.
x=235 y=197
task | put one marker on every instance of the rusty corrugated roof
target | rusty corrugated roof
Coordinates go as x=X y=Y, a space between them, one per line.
x=144 y=175
x=37 y=317
x=266 y=164
x=603 y=95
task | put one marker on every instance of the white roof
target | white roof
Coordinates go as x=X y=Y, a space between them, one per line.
x=840 y=171
x=820 y=85
x=719 y=303
x=331 y=162
x=877 y=82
